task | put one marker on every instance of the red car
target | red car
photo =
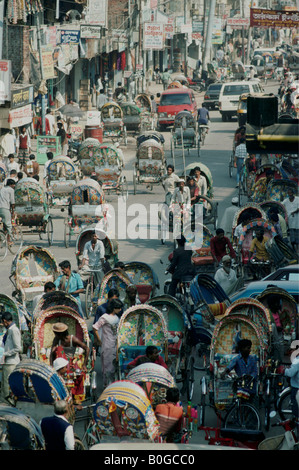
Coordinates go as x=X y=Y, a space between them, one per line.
x=173 y=101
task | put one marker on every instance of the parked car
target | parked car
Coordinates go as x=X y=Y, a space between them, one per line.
x=173 y=101
x=286 y=278
x=211 y=98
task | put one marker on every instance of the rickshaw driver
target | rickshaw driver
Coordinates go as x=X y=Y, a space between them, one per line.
x=94 y=257
x=151 y=355
x=70 y=282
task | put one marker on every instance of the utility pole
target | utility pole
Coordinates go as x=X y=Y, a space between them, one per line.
x=42 y=74
x=1 y=26
x=208 y=38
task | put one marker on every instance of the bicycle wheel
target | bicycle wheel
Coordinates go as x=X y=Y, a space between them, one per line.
x=16 y=240
x=284 y=405
x=91 y=434
x=88 y=299
x=231 y=165
x=242 y=416
x=78 y=443
x=67 y=235
x=49 y=228
x=3 y=246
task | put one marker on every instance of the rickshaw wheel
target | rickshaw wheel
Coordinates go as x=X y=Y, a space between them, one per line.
x=125 y=136
x=134 y=183
x=49 y=229
x=78 y=443
x=67 y=235
x=88 y=299
x=3 y=246
x=124 y=188
x=17 y=239
x=231 y=165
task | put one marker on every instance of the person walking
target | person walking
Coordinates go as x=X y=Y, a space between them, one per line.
x=57 y=430
x=7 y=205
x=23 y=145
x=12 y=345
x=165 y=78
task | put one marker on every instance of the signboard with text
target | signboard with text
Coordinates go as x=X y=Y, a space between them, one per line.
x=273 y=18
x=89 y=31
x=68 y=36
x=5 y=80
x=153 y=36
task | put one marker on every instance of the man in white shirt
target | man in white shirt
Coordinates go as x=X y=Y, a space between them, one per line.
x=12 y=164
x=94 y=257
x=7 y=204
x=181 y=194
x=51 y=120
x=50 y=157
x=101 y=99
x=57 y=430
x=291 y=203
x=12 y=345
x=169 y=183
x=226 y=276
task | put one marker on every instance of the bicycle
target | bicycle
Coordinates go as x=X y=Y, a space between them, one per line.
x=13 y=243
x=91 y=434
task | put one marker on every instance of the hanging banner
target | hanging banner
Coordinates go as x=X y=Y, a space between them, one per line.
x=153 y=36
x=88 y=31
x=97 y=12
x=48 y=62
x=5 y=80
x=273 y=18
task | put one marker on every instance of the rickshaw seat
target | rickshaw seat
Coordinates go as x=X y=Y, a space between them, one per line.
x=202 y=257
x=243 y=434
x=174 y=348
x=144 y=292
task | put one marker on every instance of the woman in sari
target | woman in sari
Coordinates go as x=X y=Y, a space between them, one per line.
x=106 y=338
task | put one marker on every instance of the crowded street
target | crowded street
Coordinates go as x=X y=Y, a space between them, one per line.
x=149 y=250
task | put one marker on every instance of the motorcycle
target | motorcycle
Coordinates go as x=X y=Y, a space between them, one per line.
x=73 y=148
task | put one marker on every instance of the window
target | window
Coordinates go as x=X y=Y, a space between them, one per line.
x=175 y=99
x=232 y=90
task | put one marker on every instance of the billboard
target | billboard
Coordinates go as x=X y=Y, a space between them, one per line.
x=273 y=18
x=153 y=36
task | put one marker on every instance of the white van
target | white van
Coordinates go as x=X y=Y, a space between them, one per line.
x=230 y=93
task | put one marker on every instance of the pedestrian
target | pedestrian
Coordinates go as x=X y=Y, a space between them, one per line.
x=169 y=183
x=107 y=339
x=101 y=99
x=70 y=282
x=101 y=309
x=220 y=245
x=240 y=157
x=291 y=203
x=12 y=345
x=166 y=78
x=154 y=104
x=57 y=430
x=50 y=157
x=7 y=206
x=292 y=373
x=23 y=145
x=51 y=120
x=32 y=167
x=228 y=217
x=12 y=164
x=63 y=138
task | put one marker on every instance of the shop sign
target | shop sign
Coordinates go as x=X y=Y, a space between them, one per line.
x=88 y=31
x=21 y=97
x=5 y=80
x=273 y=18
x=153 y=37
x=68 y=36
x=20 y=116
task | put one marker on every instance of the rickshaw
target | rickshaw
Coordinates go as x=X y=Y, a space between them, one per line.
x=248 y=212
x=86 y=206
x=144 y=278
x=241 y=416
x=140 y=326
x=113 y=122
x=202 y=257
x=268 y=205
x=238 y=70
x=106 y=165
x=31 y=209
x=87 y=150
x=180 y=361
x=77 y=381
x=264 y=175
x=289 y=312
x=154 y=379
x=124 y=410
x=244 y=245
x=3 y=172
x=31 y=268
x=278 y=189
x=62 y=175
x=184 y=133
x=147 y=118
x=131 y=117
x=149 y=135
x=150 y=164
x=19 y=431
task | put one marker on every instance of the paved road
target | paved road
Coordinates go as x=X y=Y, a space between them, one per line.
x=215 y=154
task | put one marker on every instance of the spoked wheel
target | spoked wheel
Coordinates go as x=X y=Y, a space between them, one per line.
x=284 y=406
x=16 y=240
x=3 y=246
x=78 y=443
x=88 y=299
x=231 y=166
x=135 y=183
x=67 y=235
x=124 y=189
x=244 y=416
x=188 y=378
x=49 y=230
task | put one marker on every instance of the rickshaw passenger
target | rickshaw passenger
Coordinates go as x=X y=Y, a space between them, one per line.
x=70 y=282
x=170 y=415
x=227 y=277
x=181 y=265
x=151 y=355
x=257 y=247
x=48 y=287
x=101 y=309
x=131 y=298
